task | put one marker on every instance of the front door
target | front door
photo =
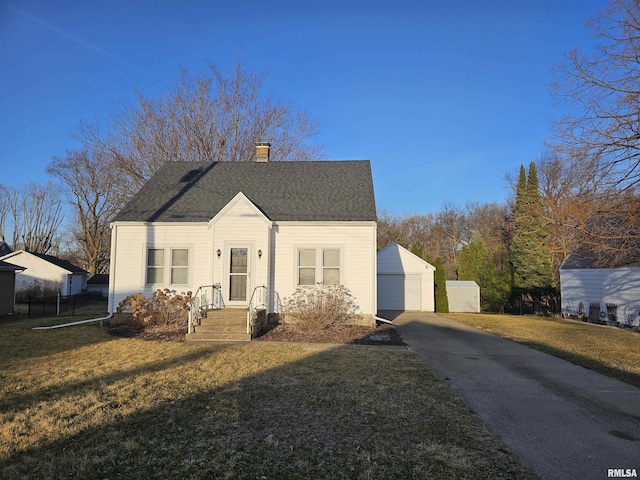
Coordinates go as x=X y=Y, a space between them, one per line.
x=239 y=275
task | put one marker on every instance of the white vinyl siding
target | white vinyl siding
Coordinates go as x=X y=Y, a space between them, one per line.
x=45 y=273
x=356 y=242
x=243 y=225
x=129 y=272
x=620 y=286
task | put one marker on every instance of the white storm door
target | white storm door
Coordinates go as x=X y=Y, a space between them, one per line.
x=239 y=275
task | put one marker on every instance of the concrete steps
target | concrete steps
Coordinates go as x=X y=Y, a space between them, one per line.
x=226 y=325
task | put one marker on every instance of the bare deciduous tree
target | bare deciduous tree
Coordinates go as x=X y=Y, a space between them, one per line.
x=95 y=190
x=442 y=234
x=4 y=211
x=602 y=91
x=35 y=213
x=488 y=222
x=206 y=118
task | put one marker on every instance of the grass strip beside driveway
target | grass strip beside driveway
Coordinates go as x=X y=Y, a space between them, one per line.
x=78 y=403
x=607 y=350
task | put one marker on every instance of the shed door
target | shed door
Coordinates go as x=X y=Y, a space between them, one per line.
x=399 y=292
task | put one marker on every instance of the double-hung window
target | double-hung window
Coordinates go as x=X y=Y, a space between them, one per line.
x=319 y=266
x=179 y=266
x=307 y=266
x=178 y=261
x=330 y=266
x=155 y=266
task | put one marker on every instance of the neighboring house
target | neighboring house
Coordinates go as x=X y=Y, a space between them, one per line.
x=463 y=296
x=99 y=284
x=49 y=271
x=7 y=287
x=582 y=282
x=243 y=225
x=405 y=281
x=4 y=248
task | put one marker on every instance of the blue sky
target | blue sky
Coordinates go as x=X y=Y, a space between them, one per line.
x=444 y=97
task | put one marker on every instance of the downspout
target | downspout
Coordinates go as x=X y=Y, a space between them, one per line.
x=383 y=320
x=112 y=268
x=101 y=319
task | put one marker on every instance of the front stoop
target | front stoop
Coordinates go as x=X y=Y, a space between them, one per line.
x=226 y=325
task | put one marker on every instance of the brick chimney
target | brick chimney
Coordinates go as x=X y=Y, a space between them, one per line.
x=262 y=151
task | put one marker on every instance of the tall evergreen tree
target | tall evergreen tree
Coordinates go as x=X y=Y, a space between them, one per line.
x=442 y=301
x=488 y=268
x=416 y=250
x=528 y=252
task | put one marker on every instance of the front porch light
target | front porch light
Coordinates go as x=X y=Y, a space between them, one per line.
x=259 y=253
x=218 y=252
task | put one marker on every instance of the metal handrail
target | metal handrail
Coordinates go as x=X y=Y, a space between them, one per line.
x=277 y=307
x=258 y=299
x=207 y=297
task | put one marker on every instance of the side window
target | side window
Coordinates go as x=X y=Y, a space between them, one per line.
x=155 y=265
x=331 y=267
x=319 y=266
x=306 y=266
x=179 y=266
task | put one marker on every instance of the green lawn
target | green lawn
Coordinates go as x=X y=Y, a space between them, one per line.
x=78 y=403
x=611 y=351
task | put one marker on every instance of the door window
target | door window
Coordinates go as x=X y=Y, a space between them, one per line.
x=238 y=274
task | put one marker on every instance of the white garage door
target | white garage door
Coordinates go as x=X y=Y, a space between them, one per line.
x=399 y=292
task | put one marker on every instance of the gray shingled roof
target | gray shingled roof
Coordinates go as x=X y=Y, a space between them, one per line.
x=283 y=191
x=9 y=267
x=66 y=264
x=594 y=261
x=99 y=279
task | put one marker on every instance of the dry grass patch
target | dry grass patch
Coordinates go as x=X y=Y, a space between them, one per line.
x=78 y=403
x=611 y=351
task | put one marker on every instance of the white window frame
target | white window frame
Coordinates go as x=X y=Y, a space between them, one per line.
x=319 y=265
x=173 y=268
x=167 y=266
x=156 y=268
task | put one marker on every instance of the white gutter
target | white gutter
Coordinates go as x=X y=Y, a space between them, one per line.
x=101 y=319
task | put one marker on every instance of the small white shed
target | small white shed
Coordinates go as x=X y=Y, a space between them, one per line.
x=463 y=296
x=405 y=281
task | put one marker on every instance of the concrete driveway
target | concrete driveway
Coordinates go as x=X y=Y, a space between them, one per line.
x=564 y=421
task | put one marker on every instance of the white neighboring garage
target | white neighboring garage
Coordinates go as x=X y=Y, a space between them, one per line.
x=405 y=281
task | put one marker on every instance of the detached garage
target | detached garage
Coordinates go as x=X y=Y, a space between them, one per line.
x=405 y=281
